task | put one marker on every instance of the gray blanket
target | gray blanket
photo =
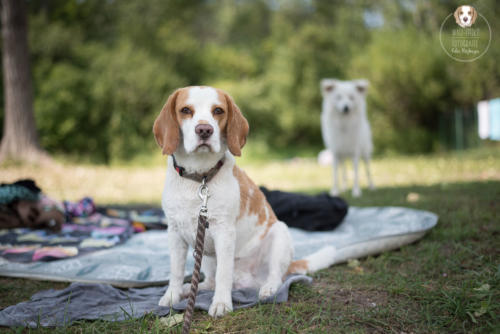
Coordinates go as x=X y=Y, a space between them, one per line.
x=144 y=260
x=102 y=301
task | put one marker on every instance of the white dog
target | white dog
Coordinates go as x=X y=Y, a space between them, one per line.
x=345 y=128
x=465 y=16
x=201 y=128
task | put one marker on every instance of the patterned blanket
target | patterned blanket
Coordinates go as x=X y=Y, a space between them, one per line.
x=81 y=235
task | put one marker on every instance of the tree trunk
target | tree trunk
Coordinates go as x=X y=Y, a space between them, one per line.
x=20 y=139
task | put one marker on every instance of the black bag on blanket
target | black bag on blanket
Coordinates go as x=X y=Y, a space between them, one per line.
x=320 y=212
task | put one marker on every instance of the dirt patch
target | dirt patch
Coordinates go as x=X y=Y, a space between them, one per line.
x=355 y=297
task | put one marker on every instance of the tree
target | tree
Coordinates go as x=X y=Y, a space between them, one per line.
x=20 y=138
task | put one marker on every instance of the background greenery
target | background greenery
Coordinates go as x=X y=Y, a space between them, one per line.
x=103 y=69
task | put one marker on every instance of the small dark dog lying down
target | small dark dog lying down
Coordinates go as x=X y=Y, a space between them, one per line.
x=245 y=245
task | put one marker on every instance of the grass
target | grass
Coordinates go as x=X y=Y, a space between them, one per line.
x=138 y=184
x=447 y=282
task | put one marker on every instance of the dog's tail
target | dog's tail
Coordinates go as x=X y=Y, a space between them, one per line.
x=323 y=258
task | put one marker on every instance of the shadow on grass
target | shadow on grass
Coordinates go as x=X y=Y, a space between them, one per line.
x=483 y=196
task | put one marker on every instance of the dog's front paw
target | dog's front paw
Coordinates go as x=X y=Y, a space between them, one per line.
x=356 y=192
x=171 y=297
x=269 y=289
x=220 y=308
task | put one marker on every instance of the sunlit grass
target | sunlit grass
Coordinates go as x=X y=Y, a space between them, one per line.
x=306 y=174
x=143 y=183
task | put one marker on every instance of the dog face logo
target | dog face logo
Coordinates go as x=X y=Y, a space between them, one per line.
x=465 y=16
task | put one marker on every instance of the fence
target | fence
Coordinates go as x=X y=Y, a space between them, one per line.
x=458 y=130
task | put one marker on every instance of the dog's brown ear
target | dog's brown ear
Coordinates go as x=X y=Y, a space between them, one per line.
x=166 y=128
x=236 y=128
x=456 y=14
x=362 y=85
x=327 y=86
x=474 y=15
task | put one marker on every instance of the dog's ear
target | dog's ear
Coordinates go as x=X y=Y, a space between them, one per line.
x=236 y=128
x=327 y=86
x=456 y=14
x=362 y=85
x=166 y=128
x=474 y=15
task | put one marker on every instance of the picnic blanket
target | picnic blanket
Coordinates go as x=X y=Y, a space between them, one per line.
x=79 y=235
x=144 y=260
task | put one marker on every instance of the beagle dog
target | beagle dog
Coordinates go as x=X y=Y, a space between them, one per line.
x=465 y=16
x=246 y=246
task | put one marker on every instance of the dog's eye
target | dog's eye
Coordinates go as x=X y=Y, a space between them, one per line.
x=469 y=13
x=186 y=110
x=461 y=13
x=218 y=111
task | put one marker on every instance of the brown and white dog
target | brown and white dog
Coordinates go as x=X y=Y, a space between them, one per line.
x=202 y=129
x=465 y=16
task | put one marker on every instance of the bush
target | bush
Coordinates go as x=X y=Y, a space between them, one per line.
x=409 y=88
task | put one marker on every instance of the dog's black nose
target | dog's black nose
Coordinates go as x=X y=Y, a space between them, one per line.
x=465 y=19
x=345 y=110
x=204 y=131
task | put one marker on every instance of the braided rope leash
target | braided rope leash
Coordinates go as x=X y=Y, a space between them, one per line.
x=203 y=194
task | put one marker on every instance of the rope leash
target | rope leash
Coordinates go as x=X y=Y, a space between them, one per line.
x=198 y=254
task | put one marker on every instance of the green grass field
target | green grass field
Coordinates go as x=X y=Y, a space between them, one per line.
x=448 y=282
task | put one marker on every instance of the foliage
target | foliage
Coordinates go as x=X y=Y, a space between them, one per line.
x=407 y=92
x=103 y=69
